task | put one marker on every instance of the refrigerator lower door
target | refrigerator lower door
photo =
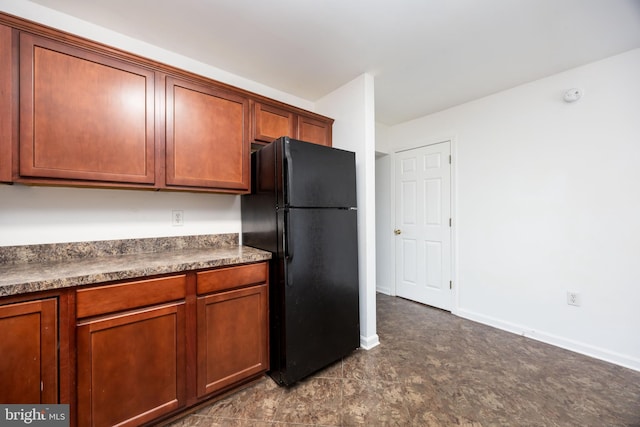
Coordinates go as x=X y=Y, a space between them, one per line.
x=320 y=319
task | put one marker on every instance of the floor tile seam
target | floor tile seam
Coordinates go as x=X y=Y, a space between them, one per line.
x=217 y=417
x=342 y=402
x=375 y=380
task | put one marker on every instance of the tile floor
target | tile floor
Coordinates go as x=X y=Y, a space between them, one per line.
x=435 y=369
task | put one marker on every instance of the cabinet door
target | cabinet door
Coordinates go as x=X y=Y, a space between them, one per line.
x=28 y=352
x=131 y=366
x=232 y=337
x=7 y=104
x=270 y=123
x=84 y=116
x=314 y=130
x=207 y=137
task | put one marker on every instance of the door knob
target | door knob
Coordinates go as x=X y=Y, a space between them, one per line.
x=397 y=231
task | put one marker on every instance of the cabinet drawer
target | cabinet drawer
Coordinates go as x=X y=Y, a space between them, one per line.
x=231 y=277
x=125 y=296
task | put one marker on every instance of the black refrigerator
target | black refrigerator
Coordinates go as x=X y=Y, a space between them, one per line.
x=302 y=209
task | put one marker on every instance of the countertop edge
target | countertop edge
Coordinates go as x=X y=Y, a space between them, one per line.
x=17 y=279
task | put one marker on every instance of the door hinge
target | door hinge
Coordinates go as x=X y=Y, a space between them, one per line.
x=449 y=222
x=449 y=158
x=450 y=284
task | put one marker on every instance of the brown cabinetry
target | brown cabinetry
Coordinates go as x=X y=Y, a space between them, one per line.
x=270 y=122
x=314 y=130
x=79 y=113
x=207 y=136
x=6 y=104
x=147 y=349
x=232 y=326
x=84 y=116
x=29 y=352
x=131 y=365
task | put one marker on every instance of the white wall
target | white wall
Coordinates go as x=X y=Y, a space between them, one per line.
x=383 y=144
x=353 y=108
x=385 y=253
x=31 y=215
x=548 y=201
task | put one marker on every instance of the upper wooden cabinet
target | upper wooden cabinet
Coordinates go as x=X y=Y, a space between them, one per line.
x=207 y=136
x=270 y=122
x=76 y=112
x=84 y=116
x=6 y=104
x=314 y=130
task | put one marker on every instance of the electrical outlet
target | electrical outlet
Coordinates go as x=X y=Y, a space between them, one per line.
x=573 y=298
x=177 y=218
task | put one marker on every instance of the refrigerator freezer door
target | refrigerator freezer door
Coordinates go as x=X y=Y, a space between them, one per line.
x=318 y=176
x=320 y=291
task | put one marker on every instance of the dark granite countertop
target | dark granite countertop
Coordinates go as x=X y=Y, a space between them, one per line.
x=35 y=268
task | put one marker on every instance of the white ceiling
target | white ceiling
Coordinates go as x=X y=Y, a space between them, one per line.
x=426 y=55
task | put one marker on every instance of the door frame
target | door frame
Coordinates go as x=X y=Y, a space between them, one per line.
x=455 y=292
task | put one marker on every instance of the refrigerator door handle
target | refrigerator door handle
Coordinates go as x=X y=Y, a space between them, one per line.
x=285 y=237
x=288 y=172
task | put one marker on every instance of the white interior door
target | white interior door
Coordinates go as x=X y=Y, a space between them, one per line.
x=423 y=231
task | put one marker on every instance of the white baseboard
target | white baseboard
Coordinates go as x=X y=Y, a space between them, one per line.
x=384 y=290
x=567 y=344
x=369 y=342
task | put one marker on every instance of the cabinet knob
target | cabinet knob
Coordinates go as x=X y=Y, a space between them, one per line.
x=397 y=231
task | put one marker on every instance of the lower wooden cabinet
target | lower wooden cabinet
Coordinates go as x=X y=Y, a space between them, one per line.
x=150 y=348
x=29 y=352
x=232 y=337
x=131 y=366
x=137 y=351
